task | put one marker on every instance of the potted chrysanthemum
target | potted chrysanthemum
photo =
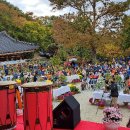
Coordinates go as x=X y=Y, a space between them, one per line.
x=112 y=118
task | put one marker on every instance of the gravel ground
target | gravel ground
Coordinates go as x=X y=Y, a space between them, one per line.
x=88 y=111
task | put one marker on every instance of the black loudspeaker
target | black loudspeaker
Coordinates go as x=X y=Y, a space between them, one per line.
x=67 y=114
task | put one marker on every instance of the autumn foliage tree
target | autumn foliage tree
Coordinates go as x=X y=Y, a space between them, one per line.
x=94 y=19
x=126 y=33
x=64 y=34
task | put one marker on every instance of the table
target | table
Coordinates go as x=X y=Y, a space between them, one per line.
x=100 y=95
x=71 y=78
x=60 y=91
x=124 y=97
x=106 y=96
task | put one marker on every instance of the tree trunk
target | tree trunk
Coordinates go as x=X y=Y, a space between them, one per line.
x=94 y=55
x=93 y=51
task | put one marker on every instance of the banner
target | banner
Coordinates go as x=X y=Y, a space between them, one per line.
x=12 y=62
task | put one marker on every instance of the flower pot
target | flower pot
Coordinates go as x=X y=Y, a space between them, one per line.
x=73 y=93
x=128 y=105
x=91 y=100
x=111 y=125
x=101 y=104
x=61 y=97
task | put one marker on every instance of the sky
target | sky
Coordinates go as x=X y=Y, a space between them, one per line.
x=38 y=7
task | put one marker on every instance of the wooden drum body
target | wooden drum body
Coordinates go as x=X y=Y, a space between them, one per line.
x=7 y=105
x=37 y=106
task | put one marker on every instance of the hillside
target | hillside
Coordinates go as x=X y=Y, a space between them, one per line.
x=23 y=26
x=10 y=17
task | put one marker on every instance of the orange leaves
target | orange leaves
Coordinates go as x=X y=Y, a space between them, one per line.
x=12 y=15
x=63 y=33
x=110 y=50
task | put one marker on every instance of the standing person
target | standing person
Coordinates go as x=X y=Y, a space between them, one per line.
x=128 y=71
x=35 y=78
x=84 y=73
x=83 y=84
x=6 y=71
x=114 y=93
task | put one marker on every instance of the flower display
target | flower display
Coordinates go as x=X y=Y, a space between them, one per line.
x=71 y=85
x=63 y=96
x=76 y=80
x=101 y=103
x=112 y=115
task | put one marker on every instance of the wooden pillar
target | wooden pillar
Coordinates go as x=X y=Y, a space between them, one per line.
x=21 y=56
x=7 y=58
x=12 y=58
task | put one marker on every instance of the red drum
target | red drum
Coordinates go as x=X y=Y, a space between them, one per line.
x=7 y=105
x=37 y=106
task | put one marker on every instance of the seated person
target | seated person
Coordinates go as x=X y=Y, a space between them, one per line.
x=83 y=84
x=127 y=84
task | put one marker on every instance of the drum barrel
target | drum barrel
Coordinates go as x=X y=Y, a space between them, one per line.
x=37 y=108
x=7 y=107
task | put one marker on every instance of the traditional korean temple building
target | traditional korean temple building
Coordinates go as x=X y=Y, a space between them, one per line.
x=12 y=49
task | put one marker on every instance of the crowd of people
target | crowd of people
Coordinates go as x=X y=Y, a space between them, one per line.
x=114 y=75
x=91 y=73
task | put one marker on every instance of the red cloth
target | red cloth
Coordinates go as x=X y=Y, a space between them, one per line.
x=83 y=125
x=86 y=125
x=19 y=123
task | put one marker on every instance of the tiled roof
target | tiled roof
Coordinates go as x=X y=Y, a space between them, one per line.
x=11 y=45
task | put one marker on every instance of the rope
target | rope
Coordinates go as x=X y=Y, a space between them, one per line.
x=26 y=116
x=48 y=108
x=1 y=121
x=8 y=111
x=37 y=121
x=14 y=107
x=51 y=106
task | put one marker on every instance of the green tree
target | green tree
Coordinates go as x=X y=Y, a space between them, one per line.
x=25 y=27
x=11 y=18
x=37 y=33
